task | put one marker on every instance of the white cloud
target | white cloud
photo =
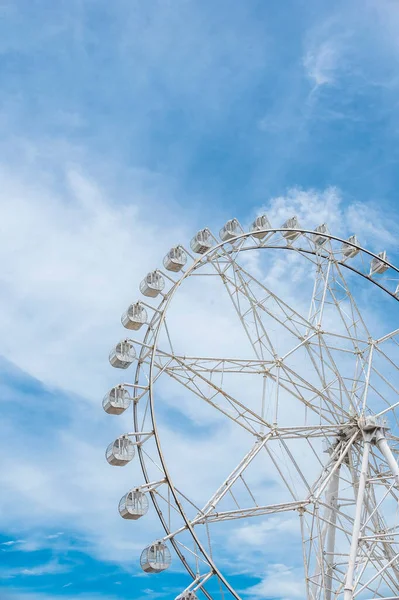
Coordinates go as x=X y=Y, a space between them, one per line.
x=70 y=255
x=50 y=568
x=280 y=581
x=321 y=62
x=19 y=594
x=266 y=532
x=372 y=226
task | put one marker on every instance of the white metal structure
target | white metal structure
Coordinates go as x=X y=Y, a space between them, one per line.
x=310 y=398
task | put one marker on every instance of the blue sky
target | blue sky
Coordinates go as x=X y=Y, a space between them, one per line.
x=126 y=126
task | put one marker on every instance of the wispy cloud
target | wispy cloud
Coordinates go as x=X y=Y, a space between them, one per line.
x=321 y=63
x=50 y=568
x=280 y=581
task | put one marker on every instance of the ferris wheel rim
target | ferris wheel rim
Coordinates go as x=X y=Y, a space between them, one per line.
x=167 y=298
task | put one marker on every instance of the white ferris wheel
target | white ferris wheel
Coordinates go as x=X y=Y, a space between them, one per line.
x=293 y=390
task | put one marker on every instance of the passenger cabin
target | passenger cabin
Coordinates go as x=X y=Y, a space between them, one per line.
x=201 y=242
x=156 y=558
x=318 y=237
x=257 y=227
x=133 y=505
x=230 y=230
x=291 y=224
x=122 y=356
x=134 y=317
x=175 y=259
x=152 y=284
x=187 y=596
x=349 y=251
x=377 y=266
x=116 y=401
x=120 y=452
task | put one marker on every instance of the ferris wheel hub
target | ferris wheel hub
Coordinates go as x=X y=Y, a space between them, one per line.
x=371 y=423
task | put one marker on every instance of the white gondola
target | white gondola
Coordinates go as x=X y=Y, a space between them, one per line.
x=377 y=266
x=257 y=227
x=349 y=251
x=122 y=356
x=152 y=284
x=175 y=259
x=318 y=237
x=134 y=317
x=117 y=400
x=187 y=596
x=230 y=230
x=120 y=452
x=201 y=242
x=291 y=224
x=397 y=291
x=156 y=558
x=133 y=505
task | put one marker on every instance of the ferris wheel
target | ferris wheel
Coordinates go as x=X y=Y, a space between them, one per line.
x=272 y=349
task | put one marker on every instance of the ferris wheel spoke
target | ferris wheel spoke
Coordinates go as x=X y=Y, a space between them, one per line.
x=197 y=381
x=253 y=511
x=232 y=479
x=358 y=333
x=343 y=299
x=287 y=312
x=320 y=288
x=326 y=367
x=239 y=289
x=218 y=365
x=330 y=286
x=390 y=407
x=309 y=346
x=388 y=336
x=330 y=410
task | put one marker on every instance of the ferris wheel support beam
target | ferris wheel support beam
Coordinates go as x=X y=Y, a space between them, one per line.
x=378 y=524
x=383 y=446
x=331 y=516
x=348 y=589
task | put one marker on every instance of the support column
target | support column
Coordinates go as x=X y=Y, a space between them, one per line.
x=383 y=446
x=331 y=517
x=348 y=590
